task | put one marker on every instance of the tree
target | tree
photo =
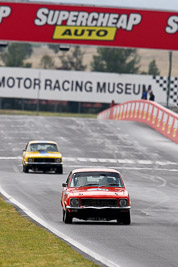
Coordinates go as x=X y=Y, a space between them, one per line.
x=47 y=62
x=15 y=55
x=116 y=60
x=72 y=60
x=153 y=69
x=55 y=48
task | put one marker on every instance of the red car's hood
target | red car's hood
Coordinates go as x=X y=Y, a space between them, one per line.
x=98 y=192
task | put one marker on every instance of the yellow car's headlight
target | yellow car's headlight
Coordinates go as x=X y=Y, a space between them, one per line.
x=58 y=160
x=30 y=160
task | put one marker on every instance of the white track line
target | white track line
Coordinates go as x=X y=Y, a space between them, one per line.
x=101 y=160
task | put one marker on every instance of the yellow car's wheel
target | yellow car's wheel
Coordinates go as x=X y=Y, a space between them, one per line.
x=59 y=170
x=25 y=168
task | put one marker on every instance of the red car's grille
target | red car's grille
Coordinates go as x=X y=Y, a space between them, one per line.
x=44 y=160
x=92 y=202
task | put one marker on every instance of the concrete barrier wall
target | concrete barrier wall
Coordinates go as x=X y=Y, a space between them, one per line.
x=161 y=119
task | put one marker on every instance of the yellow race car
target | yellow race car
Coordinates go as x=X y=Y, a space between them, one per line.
x=42 y=156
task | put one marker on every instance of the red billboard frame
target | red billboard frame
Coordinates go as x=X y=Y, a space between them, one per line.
x=88 y=25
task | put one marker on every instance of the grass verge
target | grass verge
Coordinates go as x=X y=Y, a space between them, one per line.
x=54 y=114
x=23 y=243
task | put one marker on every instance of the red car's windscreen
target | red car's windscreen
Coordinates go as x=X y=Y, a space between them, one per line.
x=85 y=179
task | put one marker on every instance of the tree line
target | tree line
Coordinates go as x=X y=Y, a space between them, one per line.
x=112 y=60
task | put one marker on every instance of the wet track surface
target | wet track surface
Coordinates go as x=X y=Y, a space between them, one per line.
x=147 y=161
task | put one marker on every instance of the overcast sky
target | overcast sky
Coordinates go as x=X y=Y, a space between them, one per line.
x=171 y=5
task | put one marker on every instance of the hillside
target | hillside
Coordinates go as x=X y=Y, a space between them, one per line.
x=146 y=55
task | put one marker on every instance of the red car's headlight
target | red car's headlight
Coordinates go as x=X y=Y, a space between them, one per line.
x=74 y=202
x=123 y=202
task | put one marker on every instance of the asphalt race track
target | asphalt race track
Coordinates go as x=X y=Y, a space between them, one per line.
x=147 y=160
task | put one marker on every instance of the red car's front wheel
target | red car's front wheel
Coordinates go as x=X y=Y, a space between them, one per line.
x=67 y=217
x=124 y=218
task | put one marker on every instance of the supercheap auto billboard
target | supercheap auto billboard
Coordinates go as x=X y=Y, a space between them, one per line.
x=83 y=86
x=88 y=25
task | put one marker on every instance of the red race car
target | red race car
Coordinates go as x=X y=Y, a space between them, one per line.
x=95 y=194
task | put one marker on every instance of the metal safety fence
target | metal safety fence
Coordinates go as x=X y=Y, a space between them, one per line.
x=158 y=117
